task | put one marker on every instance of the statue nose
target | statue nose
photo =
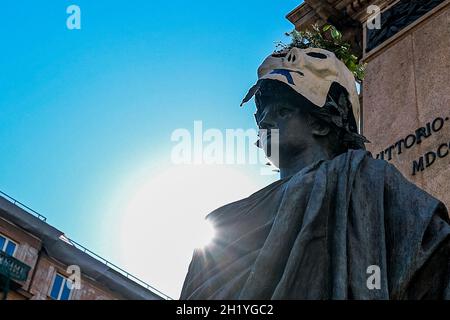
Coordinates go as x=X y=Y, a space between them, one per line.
x=294 y=59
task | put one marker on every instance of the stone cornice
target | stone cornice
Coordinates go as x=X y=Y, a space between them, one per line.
x=347 y=15
x=322 y=11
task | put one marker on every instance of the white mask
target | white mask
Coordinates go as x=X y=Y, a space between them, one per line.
x=310 y=72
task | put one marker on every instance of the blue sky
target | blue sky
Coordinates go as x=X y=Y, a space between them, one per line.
x=86 y=113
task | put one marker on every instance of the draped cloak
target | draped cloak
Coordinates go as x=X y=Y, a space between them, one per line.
x=316 y=234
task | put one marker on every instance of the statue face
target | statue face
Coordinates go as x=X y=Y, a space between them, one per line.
x=294 y=132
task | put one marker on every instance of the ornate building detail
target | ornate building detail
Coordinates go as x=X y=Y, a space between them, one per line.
x=397 y=18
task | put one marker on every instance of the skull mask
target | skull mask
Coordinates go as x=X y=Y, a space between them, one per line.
x=310 y=72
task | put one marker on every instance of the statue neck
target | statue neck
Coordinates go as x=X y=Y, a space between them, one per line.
x=295 y=163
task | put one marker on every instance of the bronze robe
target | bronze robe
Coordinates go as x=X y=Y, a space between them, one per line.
x=313 y=236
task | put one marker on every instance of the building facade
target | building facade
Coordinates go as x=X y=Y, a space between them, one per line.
x=406 y=92
x=38 y=262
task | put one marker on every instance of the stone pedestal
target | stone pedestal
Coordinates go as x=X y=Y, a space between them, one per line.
x=406 y=102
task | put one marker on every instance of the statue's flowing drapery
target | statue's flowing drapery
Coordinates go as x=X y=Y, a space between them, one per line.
x=314 y=235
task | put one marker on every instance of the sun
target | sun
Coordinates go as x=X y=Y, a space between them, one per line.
x=162 y=217
x=204 y=234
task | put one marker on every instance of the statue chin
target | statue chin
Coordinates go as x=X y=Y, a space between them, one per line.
x=274 y=162
x=272 y=153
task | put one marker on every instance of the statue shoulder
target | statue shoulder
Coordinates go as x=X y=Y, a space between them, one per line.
x=236 y=207
x=362 y=159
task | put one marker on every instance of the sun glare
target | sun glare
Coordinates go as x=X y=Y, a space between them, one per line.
x=205 y=234
x=163 y=218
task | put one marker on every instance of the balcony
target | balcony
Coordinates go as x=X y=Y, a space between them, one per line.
x=12 y=268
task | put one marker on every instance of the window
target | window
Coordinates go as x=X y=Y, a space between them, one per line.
x=61 y=288
x=7 y=245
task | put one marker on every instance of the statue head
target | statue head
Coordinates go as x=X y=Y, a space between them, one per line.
x=310 y=97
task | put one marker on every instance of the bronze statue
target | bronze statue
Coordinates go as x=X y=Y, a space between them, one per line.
x=337 y=218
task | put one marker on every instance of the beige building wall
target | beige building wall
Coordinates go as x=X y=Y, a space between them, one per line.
x=27 y=249
x=13 y=295
x=43 y=268
x=43 y=280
